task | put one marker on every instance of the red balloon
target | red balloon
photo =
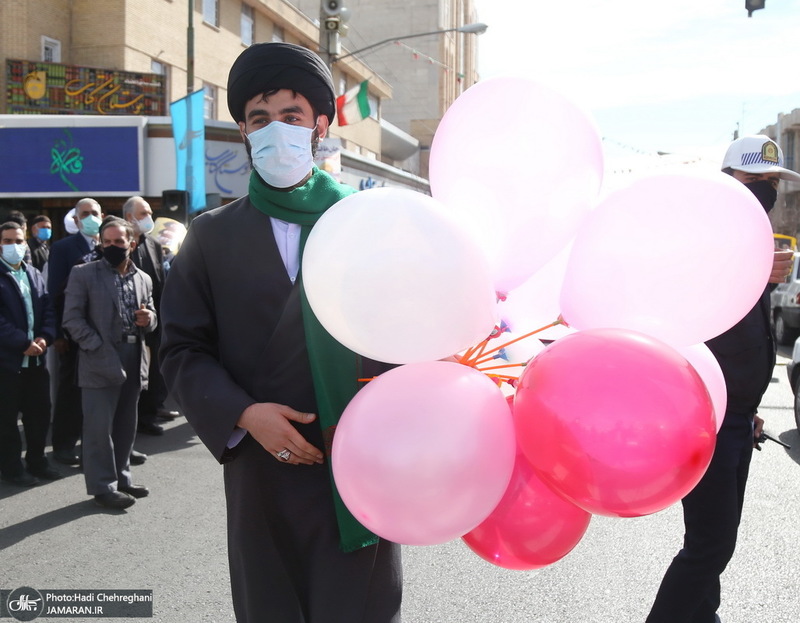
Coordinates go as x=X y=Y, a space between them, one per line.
x=615 y=421
x=532 y=527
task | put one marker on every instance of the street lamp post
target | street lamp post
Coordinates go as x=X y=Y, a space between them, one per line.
x=475 y=29
x=753 y=5
x=190 y=50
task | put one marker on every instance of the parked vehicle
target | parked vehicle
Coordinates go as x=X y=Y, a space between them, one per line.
x=785 y=305
x=782 y=241
x=793 y=370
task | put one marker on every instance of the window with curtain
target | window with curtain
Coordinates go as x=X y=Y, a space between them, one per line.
x=211 y=12
x=209 y=101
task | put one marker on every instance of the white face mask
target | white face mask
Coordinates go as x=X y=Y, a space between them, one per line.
x=282 y=153
x=14 y=253
x=145 y=226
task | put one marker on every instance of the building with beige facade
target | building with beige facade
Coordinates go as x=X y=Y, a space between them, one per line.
x=786 y=132
x=427 y=73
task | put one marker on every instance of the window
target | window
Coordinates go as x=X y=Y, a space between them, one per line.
x=277 y=34
x=248 y=25
x=211 y=12
x=209 y=101
x=788 y=150
x=51 y=50
x=162 y=69
x=374 y=104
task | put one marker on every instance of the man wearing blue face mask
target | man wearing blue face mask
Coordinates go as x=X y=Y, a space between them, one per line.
x=260 y=380
x=26 y=329
x=75 y=249
x=39 y=242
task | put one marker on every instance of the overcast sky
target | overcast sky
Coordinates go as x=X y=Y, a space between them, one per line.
x=658 y=75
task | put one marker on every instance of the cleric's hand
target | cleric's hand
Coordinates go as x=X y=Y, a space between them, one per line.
x=269 y=424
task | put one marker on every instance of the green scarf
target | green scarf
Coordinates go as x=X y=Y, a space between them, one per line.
x=334 y=368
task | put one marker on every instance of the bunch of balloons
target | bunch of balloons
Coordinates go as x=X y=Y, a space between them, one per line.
x=615 y=417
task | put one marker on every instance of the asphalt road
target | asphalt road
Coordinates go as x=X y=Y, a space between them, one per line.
x=54 y=537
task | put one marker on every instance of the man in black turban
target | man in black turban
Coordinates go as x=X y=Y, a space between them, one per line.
x=259 y=378
x=270 y=66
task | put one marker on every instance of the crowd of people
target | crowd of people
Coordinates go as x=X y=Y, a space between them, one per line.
x=93 y=297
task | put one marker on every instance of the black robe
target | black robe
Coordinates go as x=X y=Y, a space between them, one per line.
x=233 y=336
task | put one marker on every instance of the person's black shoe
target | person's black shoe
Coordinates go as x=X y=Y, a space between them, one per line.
x=166 y=414
x=46 y=473
x=137 y=491
x=22 y=480
x=138 y=458
x=148 y=428
x=114 y=499
x=66 y=457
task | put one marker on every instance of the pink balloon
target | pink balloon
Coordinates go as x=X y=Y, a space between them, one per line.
x=424 y=452
x=535 y=303
x=707 y=366
x=524 y=178
x=616 y=421
x=681 y=257
x=532 y=527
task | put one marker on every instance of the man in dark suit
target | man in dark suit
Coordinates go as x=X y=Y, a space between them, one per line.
x=68 y=252
x=39 y=242
x=26 y=329
x=259 y=379
x=690 y=589
x=108 y=308
x=149 y=256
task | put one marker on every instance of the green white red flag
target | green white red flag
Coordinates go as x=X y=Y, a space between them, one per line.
x=353 y=106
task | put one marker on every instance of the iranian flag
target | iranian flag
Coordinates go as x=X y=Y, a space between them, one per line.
x=353 y=106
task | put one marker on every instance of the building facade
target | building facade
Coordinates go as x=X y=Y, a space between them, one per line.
x=427 y=73
x=786 y=132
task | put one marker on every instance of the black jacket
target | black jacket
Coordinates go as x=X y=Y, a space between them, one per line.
x=14 y=318
x=40 y=252
x=746 y=354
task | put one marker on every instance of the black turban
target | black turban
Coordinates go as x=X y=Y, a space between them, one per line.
x=268 y=66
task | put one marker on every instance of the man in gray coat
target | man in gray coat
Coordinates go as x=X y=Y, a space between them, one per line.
x=108 y=308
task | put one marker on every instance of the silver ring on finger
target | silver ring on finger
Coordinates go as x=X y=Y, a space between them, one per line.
x=284 y=455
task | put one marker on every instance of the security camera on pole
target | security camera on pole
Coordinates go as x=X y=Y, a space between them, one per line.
x=333 y=18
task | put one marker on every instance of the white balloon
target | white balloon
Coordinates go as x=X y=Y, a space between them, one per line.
x=393 y=276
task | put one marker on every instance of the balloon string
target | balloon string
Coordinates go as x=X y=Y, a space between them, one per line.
x=475 y=355
x=481 y=347
x=472 y=350
x=486 y=358
x=508 y=365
